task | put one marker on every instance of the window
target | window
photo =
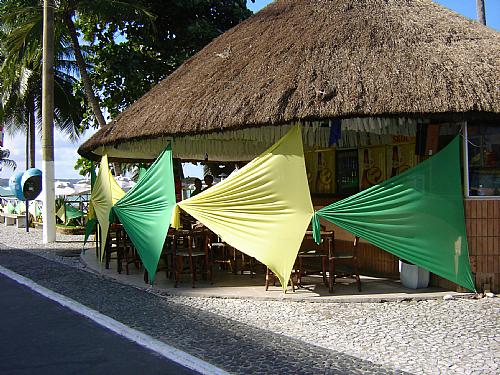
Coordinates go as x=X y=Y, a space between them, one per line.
x=483 y=148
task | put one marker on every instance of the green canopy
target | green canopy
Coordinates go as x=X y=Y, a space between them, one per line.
x=92 y=220
x=145 y=211
x=20 y=208
x=90 y=226
x=142 y=171
x=417 y=216
x=67 y=212
x=10 y=209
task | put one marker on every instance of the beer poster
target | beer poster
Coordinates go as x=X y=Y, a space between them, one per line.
x=371 y=166
x=310 y=159
x=320 y=167
x=400 y=158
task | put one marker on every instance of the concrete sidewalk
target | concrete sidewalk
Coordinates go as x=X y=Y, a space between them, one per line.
x=227 y=285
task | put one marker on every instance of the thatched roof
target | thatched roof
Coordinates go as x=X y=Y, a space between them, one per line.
x=312 y=59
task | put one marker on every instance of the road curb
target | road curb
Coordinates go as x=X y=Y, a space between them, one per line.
x=182 y=358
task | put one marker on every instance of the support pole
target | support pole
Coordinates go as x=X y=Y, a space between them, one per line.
x=27 y=216
x=49 y=206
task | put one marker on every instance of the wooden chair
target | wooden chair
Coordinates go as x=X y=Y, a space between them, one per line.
x=246 y=262
x=344 y=264
x=126 y=252
x=222 y=254
x=312 y=257
x=113 y=242
x=191 y=245
x=166 y=258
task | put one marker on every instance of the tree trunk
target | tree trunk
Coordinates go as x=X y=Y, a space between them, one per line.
x=27 y=147
x=32 y=132
x=89 y=91
x=481 y=13
x=49 y=206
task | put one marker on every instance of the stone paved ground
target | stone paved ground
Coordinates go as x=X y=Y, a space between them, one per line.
x=459 y=336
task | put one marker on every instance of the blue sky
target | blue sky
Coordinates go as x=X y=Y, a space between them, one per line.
x=465 y=7
x=65 y=151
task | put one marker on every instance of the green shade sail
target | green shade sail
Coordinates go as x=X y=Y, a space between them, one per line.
x=91 y=219
x=67 y=212
x=417 y=216
x=142 y=171
x=20 y=208
x=146 y=210
x=89 y=228
x=10 y=209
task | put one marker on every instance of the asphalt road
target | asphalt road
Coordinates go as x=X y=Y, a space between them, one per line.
x=38 y=336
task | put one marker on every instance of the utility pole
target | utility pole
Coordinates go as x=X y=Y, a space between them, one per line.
x=49 y=204
x=481 y=13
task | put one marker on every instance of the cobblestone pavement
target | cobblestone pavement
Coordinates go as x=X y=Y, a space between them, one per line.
x=458 y=336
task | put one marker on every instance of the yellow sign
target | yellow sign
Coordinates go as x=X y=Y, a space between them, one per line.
x=371 y=166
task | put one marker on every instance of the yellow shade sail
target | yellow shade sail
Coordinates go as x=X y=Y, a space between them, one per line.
x=264 y=208
x=105 y=193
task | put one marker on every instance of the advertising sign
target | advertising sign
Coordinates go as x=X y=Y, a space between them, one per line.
x=320 y=167
x=372 y=166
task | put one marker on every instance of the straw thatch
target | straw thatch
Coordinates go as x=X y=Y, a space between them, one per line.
x=311 y=59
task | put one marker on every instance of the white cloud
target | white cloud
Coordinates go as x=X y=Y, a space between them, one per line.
x=65 y=154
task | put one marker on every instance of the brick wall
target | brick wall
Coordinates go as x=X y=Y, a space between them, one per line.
x=483 y=234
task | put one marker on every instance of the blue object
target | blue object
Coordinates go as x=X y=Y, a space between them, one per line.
x=15 y=185
x=31 y=183
x=335 y=131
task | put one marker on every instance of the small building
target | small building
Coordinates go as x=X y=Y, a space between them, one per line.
x=377 y=86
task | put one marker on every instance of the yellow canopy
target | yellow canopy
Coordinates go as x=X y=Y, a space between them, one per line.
x=264 y=208
x=105 y=193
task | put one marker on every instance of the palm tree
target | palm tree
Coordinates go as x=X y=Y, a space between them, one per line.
x=23 y=21
x=481 y=14
x=20 y=42
x=66 y=12
x=5 y=161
